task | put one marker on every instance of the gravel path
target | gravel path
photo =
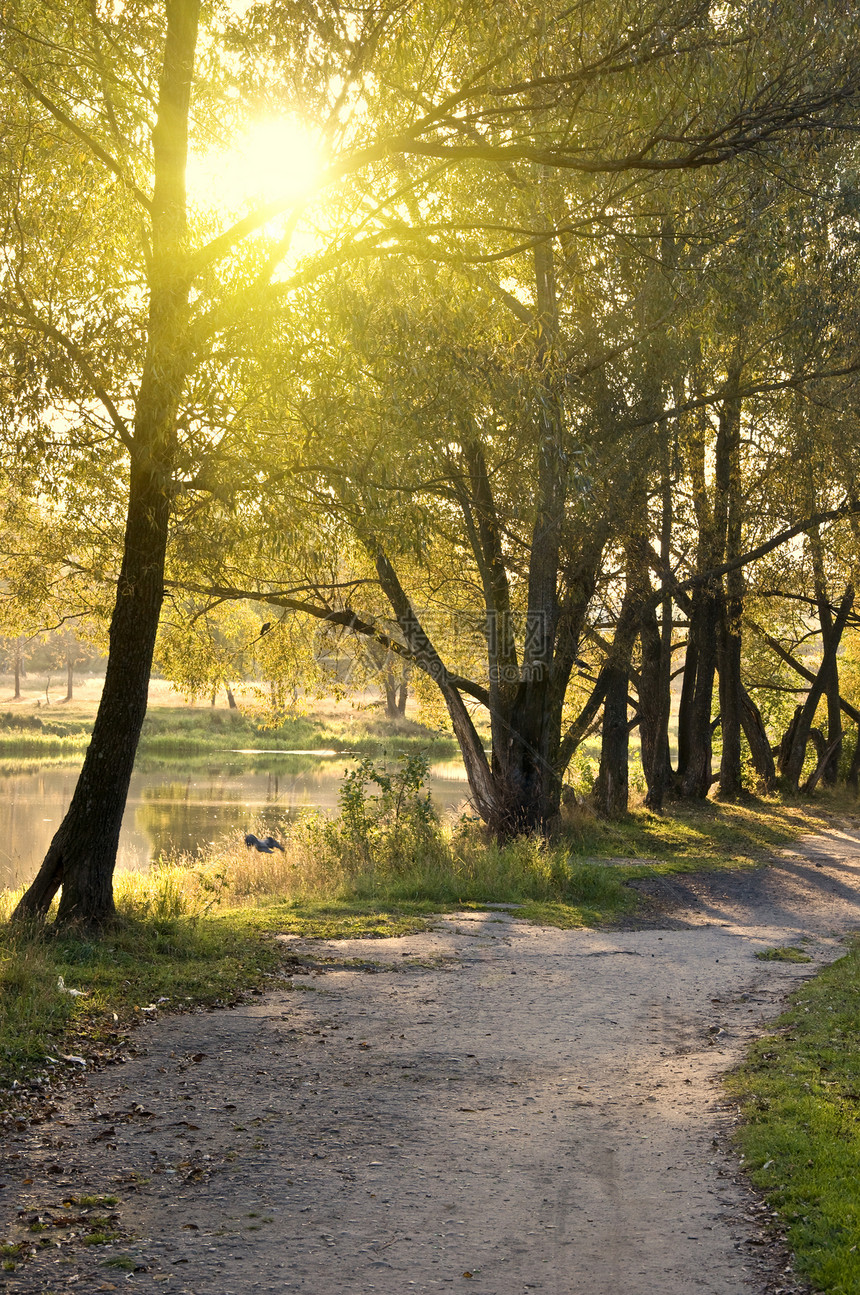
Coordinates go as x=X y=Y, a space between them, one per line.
x=491 y=1107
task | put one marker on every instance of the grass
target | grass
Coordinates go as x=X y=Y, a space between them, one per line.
x=799 y=1092
x=194 y=932
x=690 y=837
x=783 y=953
x=173 y=732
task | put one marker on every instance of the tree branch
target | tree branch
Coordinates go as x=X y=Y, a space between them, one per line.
x=344 y=617
x=78 y=131
x=72 y=349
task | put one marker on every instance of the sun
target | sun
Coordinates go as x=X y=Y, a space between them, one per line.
x=274 y=160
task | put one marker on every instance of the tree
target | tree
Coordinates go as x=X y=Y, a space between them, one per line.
x=434 y=93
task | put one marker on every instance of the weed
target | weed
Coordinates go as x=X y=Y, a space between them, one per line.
x=782 y=953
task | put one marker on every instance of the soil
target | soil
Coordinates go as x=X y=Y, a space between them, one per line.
x=489 y=1106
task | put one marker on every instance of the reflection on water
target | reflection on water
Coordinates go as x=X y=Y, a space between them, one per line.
x=170 y=814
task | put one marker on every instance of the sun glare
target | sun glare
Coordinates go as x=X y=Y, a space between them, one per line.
x=274 y=159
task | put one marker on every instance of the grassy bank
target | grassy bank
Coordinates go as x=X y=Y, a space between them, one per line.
x=175 y=732
x=196 y=932
x=799 y=1092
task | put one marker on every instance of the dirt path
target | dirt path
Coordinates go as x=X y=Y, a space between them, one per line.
x=491 y=1106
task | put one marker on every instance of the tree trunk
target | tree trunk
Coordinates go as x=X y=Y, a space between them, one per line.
x=685 y=707
x=759 y=743
x=830 y=770
x=793 y=765
x=731 y=692
x=824 y=756
x=389 y=684
x=727 y=537
x=657 y=658
x=653 y=714
x=18 y=669
x=787 y=740
x=704 y=624
x=694 y=716
x=82 y=856
x=70 y=680
x=231 y=700
x=611 y=788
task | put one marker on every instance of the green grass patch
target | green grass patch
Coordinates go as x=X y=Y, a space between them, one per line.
x=799 y=1092
x=182 y=960
x=693 y=836
x=331 y=920
x=783 y=953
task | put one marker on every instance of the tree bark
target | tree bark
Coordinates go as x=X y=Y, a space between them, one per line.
x=796 y=754
x=759 y=743
x=727 y=512
x=390 y=691
x=694 y=719
x=704 y=625
x=685 y=706
x=657 y=658
x=18 y=669
x=612 y=786
x=82 y=856
x=830 y=770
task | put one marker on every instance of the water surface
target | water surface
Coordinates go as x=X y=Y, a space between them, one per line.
x=177 y=808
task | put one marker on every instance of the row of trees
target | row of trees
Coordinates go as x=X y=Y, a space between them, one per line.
x=62 y=651
x=559 y=341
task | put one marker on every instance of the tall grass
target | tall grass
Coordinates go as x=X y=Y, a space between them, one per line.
x=389 y=846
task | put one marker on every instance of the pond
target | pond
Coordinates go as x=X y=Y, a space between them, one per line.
x=179 y=808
